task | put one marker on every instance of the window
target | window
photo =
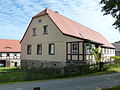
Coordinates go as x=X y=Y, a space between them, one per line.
x=51 y=49
x=39 y=20
x=39 y=49
x=107 y=51
x=89 y=47
x=104 y=51
x=0 y=54
x=8 y=54
x=34 y=31
x=29 y=49
x=74 y=48
x=45 y=29
x=110 y=51
x=15 y=54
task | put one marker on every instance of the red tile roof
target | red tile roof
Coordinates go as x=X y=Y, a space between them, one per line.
x=7 y=45
x=72 y=28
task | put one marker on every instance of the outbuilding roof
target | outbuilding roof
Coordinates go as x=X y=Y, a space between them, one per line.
x=117 y=46
x=72 y=28
x=7 y=45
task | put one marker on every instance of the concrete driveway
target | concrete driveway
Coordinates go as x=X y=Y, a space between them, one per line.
x=84 y=83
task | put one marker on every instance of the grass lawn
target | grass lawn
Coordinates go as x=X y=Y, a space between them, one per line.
x=113 y=88
x=18 y=75
x=5 y=69
x=116 y=69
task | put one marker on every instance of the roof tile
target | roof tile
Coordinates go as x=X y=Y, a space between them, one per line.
x=7 y=45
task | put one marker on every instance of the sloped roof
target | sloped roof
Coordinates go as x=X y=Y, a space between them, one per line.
x=7 y=45
x=117 y=46
x=72 y=28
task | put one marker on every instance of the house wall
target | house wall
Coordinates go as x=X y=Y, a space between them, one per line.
x=54 y=36
x=107 y=53
x=11 y=55
x=11 y=59
x=117 y=53
x=117 y=48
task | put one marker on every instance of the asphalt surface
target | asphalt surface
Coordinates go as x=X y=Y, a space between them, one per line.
x=83 y=83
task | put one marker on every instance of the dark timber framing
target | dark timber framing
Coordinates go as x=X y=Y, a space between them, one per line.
x=83 y=47
x=69 y=48
x=70 y=55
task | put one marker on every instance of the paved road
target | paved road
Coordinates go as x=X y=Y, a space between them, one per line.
x=84 y=83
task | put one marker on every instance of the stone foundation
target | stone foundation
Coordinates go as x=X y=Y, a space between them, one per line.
x=40 y=63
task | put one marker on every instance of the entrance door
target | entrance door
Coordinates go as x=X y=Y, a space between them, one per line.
x=15 y=64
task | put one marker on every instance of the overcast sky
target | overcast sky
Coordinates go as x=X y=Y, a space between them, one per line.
x=15 y=16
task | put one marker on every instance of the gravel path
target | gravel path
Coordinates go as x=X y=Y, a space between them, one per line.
x=84 y=83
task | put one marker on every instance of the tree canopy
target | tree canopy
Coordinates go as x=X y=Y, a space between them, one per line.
x=112 y=7
x=117 y=42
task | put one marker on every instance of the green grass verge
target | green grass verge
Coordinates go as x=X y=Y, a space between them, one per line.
x=22 y=76
x=27 y=77
x=112 y=88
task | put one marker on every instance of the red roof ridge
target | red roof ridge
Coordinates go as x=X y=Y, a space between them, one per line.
x=10 y=45
x=47 y=11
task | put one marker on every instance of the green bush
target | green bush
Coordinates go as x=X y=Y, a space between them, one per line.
x=115 y=57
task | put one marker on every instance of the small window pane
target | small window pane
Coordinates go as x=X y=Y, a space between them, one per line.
x=8 y=54
x=0 y=54
x=51 y=49
x=45 y=29
x=29 y=49
x=39 y=49
x=74 y=48
x=39 y=20
x=34 y=31
x=15 y=54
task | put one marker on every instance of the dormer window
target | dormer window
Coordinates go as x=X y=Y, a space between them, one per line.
x=45 y=29
x=34 y=31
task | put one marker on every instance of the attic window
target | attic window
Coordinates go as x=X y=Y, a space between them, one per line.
x=34 y=31
x=45 y=29
x=39 y=20
x=56 y=11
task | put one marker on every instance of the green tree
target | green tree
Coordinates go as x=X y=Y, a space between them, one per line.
x=117 y=42
x=112 y=7
x=98 y=55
